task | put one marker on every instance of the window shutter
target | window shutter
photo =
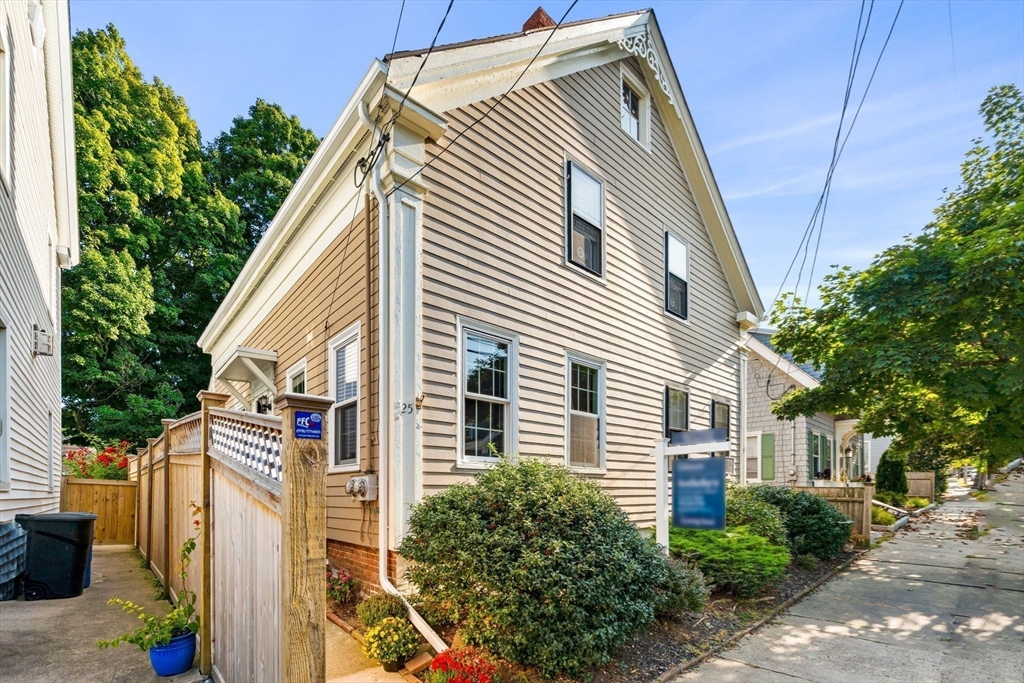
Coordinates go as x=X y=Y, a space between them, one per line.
x=767 y=457
x=823 y=451
x=810 y=456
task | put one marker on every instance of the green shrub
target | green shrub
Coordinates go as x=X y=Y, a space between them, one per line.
x=897 y=500
x=378 y=607
x=808 y=562
x=813 y=526
x=393 y=639
x=735 y=561
x=762 y=518
x=537 y=565
x=917 y=502
x=891 y=473
x=687 y=591
x=881 y=516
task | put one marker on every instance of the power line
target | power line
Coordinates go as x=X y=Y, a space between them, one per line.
x=487 y=113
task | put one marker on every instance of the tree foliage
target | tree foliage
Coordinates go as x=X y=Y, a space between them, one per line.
x=161 y=245
x=257 y=161
x=925 y=343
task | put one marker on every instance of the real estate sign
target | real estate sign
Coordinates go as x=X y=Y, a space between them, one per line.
x=698 y=493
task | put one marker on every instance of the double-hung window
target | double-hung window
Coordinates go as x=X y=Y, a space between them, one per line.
x=343 y=363
x=720 y=419
x=487 y=395
x=677 y=281
x=677 y=411
x=630 y=114
x=586 y=398
x=585 y=230
x=297 y=378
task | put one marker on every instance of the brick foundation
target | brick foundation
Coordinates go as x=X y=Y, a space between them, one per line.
x=361 y=562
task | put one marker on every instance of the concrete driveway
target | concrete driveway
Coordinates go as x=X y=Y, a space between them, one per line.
x=55 y=640
x=931 y=605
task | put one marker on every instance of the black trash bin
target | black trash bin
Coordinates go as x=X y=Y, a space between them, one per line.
x=59 y=545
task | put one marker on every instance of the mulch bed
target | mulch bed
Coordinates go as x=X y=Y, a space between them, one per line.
x=667 y=644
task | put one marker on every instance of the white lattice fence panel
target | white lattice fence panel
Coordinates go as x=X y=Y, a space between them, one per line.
x=254 y=441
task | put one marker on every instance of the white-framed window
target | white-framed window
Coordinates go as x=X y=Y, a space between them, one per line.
x=677 y=277
x=753 y=464
x=720 y=418
x=585 y=412
x=677 y=411
x=634 y=108
x=343 y=364
x=6 y=106
x=5 y=406
x=585 y=211
x=488 y=392
x=296 y=378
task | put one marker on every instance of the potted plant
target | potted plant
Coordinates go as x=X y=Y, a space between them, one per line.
x=170 y=640
x=391 y=642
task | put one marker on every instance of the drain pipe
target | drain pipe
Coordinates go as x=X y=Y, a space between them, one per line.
x=384 y=418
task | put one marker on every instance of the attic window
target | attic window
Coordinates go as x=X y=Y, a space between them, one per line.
x=634 y=108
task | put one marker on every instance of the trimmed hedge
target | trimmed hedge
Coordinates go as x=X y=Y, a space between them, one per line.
x=735 y=561
x=762 y=518
x=891 y=474
x=540 y=567
x=882 y=517
x=813 y=526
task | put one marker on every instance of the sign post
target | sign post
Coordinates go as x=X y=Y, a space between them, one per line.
x=683 y=443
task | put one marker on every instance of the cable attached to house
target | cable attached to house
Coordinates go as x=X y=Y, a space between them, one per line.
x=494 y=105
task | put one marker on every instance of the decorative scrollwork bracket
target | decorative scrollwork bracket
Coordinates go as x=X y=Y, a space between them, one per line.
x=642 y=46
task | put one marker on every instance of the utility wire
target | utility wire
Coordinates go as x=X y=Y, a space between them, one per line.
x=487 y=113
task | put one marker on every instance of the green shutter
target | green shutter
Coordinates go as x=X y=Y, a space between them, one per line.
x=810 y=456
x=767 y=457
x=823 y=461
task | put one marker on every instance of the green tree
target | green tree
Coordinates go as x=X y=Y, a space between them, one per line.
x=257 y=161
x=891 y=474
x=926 y=342
x=160 y=247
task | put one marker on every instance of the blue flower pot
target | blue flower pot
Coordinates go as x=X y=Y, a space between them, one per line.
x=175 y=657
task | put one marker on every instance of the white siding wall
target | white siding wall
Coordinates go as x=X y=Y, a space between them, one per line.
x=28 y=274
x=494 y=227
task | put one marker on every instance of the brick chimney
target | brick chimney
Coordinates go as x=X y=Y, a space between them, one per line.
x=537 y=20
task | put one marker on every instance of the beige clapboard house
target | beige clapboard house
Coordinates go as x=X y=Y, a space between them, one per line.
x=563 y=280
x=38 y=239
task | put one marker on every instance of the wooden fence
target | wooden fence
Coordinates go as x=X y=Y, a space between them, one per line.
x=259 y=569
x=852 y=501
x=921 y=485
x=113 y=503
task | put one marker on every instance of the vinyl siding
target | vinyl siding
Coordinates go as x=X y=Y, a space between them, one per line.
x=329 y=298
x=28 y=276
x=493 y=251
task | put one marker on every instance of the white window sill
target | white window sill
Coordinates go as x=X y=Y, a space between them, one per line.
x=343 y=469
x=642 y=144
x=476 y=465
x=580 y=270
x=673 y=316
x=589 y=471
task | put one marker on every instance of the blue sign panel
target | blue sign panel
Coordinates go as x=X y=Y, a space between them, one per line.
x=689 y=438
x=698 y=493
x=308 y=425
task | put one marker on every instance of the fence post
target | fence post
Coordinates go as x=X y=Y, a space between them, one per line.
x=207 y=400
x=167 y=507
x=865 y=518
x=149 y=513
x=303 y=536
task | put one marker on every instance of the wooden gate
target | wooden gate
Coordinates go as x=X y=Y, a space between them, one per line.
x=113 y=503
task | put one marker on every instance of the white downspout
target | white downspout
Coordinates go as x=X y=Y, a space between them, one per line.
x=384 y=418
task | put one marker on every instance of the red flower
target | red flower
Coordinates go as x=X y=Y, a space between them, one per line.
x=104 y=459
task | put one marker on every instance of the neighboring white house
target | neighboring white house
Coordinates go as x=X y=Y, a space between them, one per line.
x=794 y=452
x=38 y=237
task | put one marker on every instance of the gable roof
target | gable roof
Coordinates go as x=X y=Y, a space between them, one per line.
x=463 y=73
x=765 y=338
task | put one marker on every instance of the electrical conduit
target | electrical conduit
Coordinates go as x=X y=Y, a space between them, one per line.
x=384 y=418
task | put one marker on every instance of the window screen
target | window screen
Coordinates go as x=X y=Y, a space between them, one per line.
x=345 y=412
x=677 y=411
x=676 y=277
x=585 y=234
x=584 y=416
x=630 y=112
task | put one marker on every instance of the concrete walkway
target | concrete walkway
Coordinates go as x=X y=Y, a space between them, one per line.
x=346 y=662
x=55 y=640
x=929 y=606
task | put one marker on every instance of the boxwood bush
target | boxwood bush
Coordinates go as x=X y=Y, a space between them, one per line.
x=735 y=561
x=762 y=518
x=813 y=526
x=882 y=517
x=540 y=567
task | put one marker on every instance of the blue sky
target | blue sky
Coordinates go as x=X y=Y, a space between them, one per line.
x=764 y=81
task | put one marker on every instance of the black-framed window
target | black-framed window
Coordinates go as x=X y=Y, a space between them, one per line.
x=720 y=414
x=677 y=411
x=584 y=414
x=487 y=392
x=630 y=113
x=677 y=281
x=585 y=229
